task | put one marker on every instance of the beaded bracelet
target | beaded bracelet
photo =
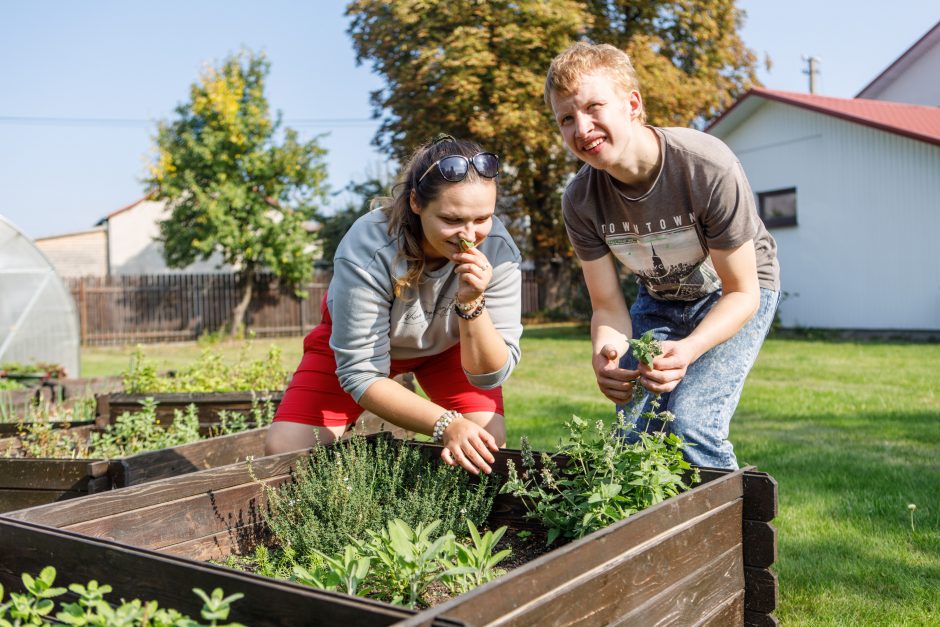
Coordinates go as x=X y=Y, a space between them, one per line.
x=468 y=307
x=472 y=314
x=437 y=434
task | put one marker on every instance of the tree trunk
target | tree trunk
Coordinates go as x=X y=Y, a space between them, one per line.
x=559 y=284
x=247 y=281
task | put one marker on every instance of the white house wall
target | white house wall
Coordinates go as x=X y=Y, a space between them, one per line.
x=865 y=252
x=133 y=249
x=77 y=254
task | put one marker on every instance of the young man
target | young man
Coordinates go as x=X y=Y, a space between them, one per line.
x=674 y=207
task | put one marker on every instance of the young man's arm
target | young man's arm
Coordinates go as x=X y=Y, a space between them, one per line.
x=740 y=298
x=611 y=327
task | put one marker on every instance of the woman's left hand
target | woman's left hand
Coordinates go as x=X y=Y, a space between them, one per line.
x=475 y=274
x=668 y=368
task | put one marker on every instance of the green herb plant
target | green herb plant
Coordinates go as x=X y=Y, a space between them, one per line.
x=208 y=374
x=399 y=563
x=475 y=562
x=597 y=476
x=341 y=491
x=36 y=604
x=131 y=433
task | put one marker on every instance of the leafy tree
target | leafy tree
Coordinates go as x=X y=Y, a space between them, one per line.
x=231 y=187
x=477 y=69
x=333 y=226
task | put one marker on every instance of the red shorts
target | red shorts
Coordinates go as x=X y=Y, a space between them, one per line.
x=314 y=396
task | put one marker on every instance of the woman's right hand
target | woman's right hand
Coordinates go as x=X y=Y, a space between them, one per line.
x=468 y=445
x=615 y=383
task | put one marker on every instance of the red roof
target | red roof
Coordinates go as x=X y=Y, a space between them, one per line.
x=914 y=121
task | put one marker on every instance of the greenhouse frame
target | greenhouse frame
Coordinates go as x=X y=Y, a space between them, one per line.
x=38 y=317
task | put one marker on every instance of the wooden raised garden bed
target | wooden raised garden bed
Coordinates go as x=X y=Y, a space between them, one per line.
x=148 y=575
x=702 y=557
x=27 y=482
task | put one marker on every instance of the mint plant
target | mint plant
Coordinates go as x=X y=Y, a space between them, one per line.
x=605 y=478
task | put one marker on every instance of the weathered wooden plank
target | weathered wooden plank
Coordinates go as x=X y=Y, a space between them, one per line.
x=210 y=453
x=219 y=546
x=151 y=576
x=760 y=544
x=760 y=497
x=710 y=586
x=50 y=474
x=208 y=404
x=629 y=578
x=757 y=619
x=10 y=429
x=12 y=500
x=178 y=520
x=157 y=492
x=760 y=590
x=555 y=570
x=731 y=612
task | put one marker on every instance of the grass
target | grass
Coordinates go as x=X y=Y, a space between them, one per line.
x=850 y=431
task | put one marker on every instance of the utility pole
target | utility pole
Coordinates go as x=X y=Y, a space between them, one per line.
x=812 y=70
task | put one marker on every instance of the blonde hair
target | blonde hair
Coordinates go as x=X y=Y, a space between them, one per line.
x=565 y=72
x=403 y=223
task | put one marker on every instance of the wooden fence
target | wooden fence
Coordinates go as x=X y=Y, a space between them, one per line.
x=182 y=307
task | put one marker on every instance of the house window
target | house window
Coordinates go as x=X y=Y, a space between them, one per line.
x=777 y=208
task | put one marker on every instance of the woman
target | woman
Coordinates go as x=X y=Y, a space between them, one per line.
x=429 y=284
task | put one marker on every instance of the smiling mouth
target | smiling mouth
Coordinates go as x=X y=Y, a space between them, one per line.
x=594 y=144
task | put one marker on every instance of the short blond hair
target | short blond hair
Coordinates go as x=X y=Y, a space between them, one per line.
x=565 y=72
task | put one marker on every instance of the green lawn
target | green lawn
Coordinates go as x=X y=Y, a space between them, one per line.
x=850 y=431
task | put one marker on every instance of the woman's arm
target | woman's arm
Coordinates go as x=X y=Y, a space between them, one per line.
x=465 y=442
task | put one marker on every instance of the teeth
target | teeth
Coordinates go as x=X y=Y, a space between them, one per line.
x=594 y=143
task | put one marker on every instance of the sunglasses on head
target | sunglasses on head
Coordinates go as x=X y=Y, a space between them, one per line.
x=454 y=168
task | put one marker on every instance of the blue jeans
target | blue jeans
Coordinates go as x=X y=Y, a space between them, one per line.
x=707 y=396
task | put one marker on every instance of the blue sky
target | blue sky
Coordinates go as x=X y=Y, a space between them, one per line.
x=82 y=82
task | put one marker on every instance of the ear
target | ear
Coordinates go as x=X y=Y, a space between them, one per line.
x=413 y=202
x=636 y=104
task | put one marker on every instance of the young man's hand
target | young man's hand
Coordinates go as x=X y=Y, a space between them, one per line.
x=668 y=368
x=615 y=383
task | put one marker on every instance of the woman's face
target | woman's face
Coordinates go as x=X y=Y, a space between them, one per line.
x=462 y=211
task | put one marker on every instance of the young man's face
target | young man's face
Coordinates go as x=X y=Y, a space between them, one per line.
x=597 y=120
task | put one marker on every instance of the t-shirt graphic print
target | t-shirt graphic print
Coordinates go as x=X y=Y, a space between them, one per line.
x=672 y=264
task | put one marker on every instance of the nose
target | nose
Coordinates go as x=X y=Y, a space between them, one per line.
x=583 y=124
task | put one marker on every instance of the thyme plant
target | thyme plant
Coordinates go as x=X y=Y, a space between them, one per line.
x=341 y=491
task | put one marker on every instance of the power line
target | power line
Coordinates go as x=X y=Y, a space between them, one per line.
x=132 y=122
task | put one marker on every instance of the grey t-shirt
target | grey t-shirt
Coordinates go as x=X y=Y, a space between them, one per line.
x=700 y=200
x=371 y=326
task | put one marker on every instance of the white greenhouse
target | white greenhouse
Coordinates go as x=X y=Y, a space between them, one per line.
x=38 y=319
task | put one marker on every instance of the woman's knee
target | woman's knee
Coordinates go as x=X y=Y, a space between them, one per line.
x=284 y=437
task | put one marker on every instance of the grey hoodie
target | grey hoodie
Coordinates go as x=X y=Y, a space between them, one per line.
x=371 y=326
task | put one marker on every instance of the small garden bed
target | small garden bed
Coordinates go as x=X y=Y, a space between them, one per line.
x=48 y=461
